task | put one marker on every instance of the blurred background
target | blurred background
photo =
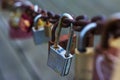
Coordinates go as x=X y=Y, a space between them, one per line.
x=21 y=59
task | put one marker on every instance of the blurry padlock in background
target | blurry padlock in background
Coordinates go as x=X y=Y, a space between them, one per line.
x=60 y=59
x=81 y=63
x=84 y=55
x=19 y=29
x=107 y=52
x=38 y=30
x=84 y=62
x=21 y=10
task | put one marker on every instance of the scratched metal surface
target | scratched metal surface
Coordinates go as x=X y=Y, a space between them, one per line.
x=22 y=60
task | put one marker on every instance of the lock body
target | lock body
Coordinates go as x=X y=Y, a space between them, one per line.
x=48 y=30
x=39 y=36
x=84 y=64
x=58 y=62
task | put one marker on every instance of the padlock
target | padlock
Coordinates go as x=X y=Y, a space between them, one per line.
x=20 y=32
x=87 y=59
x=84 y=57
x=48 y=29
x=108 y=51
x=60 y=59
x=38 y=31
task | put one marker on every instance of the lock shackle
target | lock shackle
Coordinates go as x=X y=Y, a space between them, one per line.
x=36 y=20
x=81 y=40
x=57 y=33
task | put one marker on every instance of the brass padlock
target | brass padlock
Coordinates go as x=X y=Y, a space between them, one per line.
x=48 y=29
x=38 y=31
x=84 y=56
x=60 y=59
x=87 y=59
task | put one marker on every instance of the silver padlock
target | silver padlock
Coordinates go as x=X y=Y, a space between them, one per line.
x=38 y=31
x=81 y=39
x=60 y=59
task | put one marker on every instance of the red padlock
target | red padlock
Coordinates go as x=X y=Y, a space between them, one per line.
x=21 y=31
